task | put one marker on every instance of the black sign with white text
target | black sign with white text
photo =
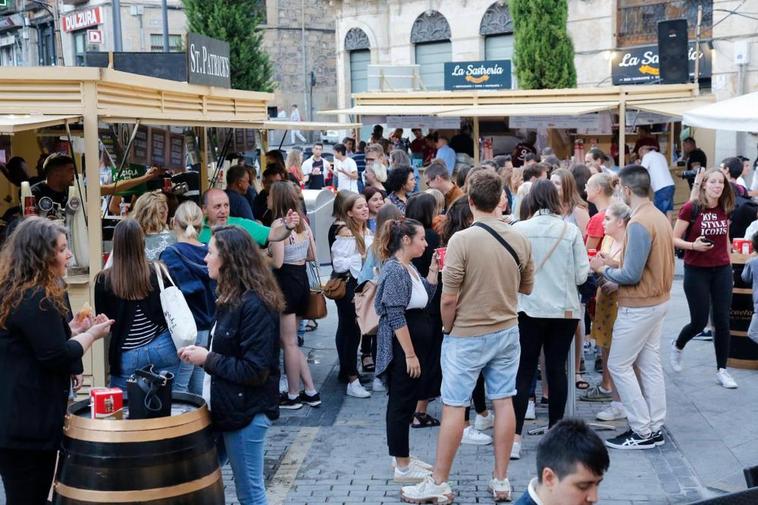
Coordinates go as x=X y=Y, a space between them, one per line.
x=208 y=61
x=639 y=65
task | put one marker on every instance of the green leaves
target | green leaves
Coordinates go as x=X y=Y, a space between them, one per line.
x=544 y=53
x=237 y=22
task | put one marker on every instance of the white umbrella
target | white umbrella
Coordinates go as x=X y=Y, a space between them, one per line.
x=736 y=114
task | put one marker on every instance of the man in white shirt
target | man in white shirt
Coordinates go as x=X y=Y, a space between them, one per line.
x=295 y=117
x=346 y=169
x=316 y=168
x=660 y=178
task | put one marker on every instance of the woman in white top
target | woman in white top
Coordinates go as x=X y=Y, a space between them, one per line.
x=289 y=257
x=348 y=254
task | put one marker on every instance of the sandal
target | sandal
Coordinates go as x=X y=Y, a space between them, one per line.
x=424 y=420
x=581 y=383
x=367 y=362
x=311 y=325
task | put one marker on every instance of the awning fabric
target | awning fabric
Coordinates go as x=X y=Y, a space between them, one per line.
x=389 y=110
x=13 y=123
x=308 y=125
x=532 y=109
x=673 y=108
x=735 y=114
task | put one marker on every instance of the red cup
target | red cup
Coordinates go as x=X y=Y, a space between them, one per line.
x=441 y=256
x=591 y=253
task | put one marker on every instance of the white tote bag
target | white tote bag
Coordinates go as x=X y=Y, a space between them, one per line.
x=178 y=315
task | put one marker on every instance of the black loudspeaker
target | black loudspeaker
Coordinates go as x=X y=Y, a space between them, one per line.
x=673 y=51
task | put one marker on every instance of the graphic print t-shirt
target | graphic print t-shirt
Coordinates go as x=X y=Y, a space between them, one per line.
x=712 y=224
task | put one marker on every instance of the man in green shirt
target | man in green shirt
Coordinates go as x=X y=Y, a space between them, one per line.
x=216 y=211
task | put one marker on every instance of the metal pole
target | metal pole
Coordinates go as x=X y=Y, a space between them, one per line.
x=164 y=10
x=117 y=26
x=697 y=47
x=305 y=60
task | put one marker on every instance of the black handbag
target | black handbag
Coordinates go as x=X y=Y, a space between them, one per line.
x=149 y=393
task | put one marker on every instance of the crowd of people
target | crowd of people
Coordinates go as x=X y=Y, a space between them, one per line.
x=479 y=283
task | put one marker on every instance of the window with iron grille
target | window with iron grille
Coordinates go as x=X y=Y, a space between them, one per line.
x=174 y=42
x=637 y=20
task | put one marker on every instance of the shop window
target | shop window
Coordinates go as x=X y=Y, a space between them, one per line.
x=637 y=19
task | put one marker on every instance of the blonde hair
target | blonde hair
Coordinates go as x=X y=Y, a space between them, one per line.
x=439 y=198
x=604 y=182
x=148 y=214
x=189 y=219
x=294 y=161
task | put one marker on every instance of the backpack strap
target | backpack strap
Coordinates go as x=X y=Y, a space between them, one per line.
x=502 y=242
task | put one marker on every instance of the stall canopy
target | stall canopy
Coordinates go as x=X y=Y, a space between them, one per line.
x=565 y=109
x=273 y=124
x=392 y=110
x=673 y=108
x=14 y=123
x=736 y=114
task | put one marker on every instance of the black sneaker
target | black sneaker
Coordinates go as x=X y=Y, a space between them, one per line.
x=658 y=438
x=287 y=404
x=313 y=401
x=705 y=335
x=630 y=441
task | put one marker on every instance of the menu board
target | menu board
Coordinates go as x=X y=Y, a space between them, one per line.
x=158 y=147
x=140 y=146
x=176 y=150
x=109 y=142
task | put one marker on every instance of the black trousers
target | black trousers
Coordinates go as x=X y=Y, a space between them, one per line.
x=348 y=335
x=368 y=346
x=556 y=336
x=27 y=475
x=404 y=391
x=708 y=287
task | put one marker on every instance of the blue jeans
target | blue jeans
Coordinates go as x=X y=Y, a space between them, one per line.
x=159 y=352
x=190 y=377
x=664 y=199
x=243 y=449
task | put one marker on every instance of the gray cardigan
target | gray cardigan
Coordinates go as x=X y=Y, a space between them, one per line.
x=393 y=293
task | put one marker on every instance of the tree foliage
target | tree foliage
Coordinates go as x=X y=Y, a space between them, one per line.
x=544 y=53
x=238 y=23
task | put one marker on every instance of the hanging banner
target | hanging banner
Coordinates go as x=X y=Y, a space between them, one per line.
x=639 y=65
x=491 y=74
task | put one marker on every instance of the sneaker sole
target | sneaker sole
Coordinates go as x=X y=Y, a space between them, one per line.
x=353 y=395
x=596 y=399
x=630 y=447
x=500 y=496
x=291 y=407
x=313 y=404
x=409 y=480
x=471 y=442
x=445 y=499
x=610 y=419
x=483 y=428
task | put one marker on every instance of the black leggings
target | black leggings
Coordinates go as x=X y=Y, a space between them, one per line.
x=348 y=335
x=480 y=404
x=368 y=346
x=556 y=336
x=708 y=287
x=27 y=475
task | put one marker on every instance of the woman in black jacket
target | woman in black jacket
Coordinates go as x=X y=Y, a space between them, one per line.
x=40 y=356
x=128 y=292
x=242 y=365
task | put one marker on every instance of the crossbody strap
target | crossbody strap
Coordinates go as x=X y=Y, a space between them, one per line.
x=502 y=242
x=552 y=249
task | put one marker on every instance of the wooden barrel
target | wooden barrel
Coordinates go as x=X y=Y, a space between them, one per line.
x=165 y=461
x=743 y=352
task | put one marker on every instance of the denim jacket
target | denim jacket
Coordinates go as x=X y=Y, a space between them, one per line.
x=555 y=294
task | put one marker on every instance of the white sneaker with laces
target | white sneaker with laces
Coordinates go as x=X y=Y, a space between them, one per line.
x=530 y=413
x=500 y=489
x=356 y=390
x=411 y=474
x=427 y=491
x=472 y=436
x=516 y=450
x=415 y=462
x=675 y=357
x=723 y=378
x=378 y=385
x=612 y=412
x=482 y=423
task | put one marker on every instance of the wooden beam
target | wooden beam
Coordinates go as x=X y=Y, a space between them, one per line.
x=477 y=155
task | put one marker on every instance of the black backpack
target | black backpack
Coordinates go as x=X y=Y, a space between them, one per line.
x=693 y=217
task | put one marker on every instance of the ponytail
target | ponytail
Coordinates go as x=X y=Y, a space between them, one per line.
x=392 y=234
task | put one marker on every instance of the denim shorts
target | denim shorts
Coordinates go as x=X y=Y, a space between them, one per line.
x=664 y=199
x=495 y=355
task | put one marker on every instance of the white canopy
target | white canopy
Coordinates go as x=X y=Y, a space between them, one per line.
x=736 y=114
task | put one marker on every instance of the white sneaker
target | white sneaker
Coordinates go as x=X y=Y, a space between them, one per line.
x=482 y=423
x=378 y=385
x=283 y=386
x=530 y=413
x=411 y=475
x=427 y=491
x=723 y=378
x=675 y=357
x=419 y=463
x=357 y=390
x=472 y=436
x=500 y=489
x=516 y=450
x=611 y=413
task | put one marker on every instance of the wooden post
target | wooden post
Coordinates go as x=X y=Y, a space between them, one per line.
x=622 y=130
x=477 y=155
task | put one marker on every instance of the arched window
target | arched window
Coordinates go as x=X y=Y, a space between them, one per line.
x=497 y=29
x=358 y=46
x=431 y=37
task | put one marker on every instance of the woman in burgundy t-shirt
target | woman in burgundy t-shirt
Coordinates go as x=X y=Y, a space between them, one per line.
x=702 y=230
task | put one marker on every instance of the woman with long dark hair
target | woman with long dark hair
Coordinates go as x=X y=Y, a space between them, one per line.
x=241 y=385
x=702 y=230
x=400 y=184
x=375 y=200
x=289 y=257
x=349 y=250
x=405 y=340
x=128 y=292
x=40 y=356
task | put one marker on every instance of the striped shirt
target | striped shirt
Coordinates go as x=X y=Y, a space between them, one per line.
x=141 y=332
